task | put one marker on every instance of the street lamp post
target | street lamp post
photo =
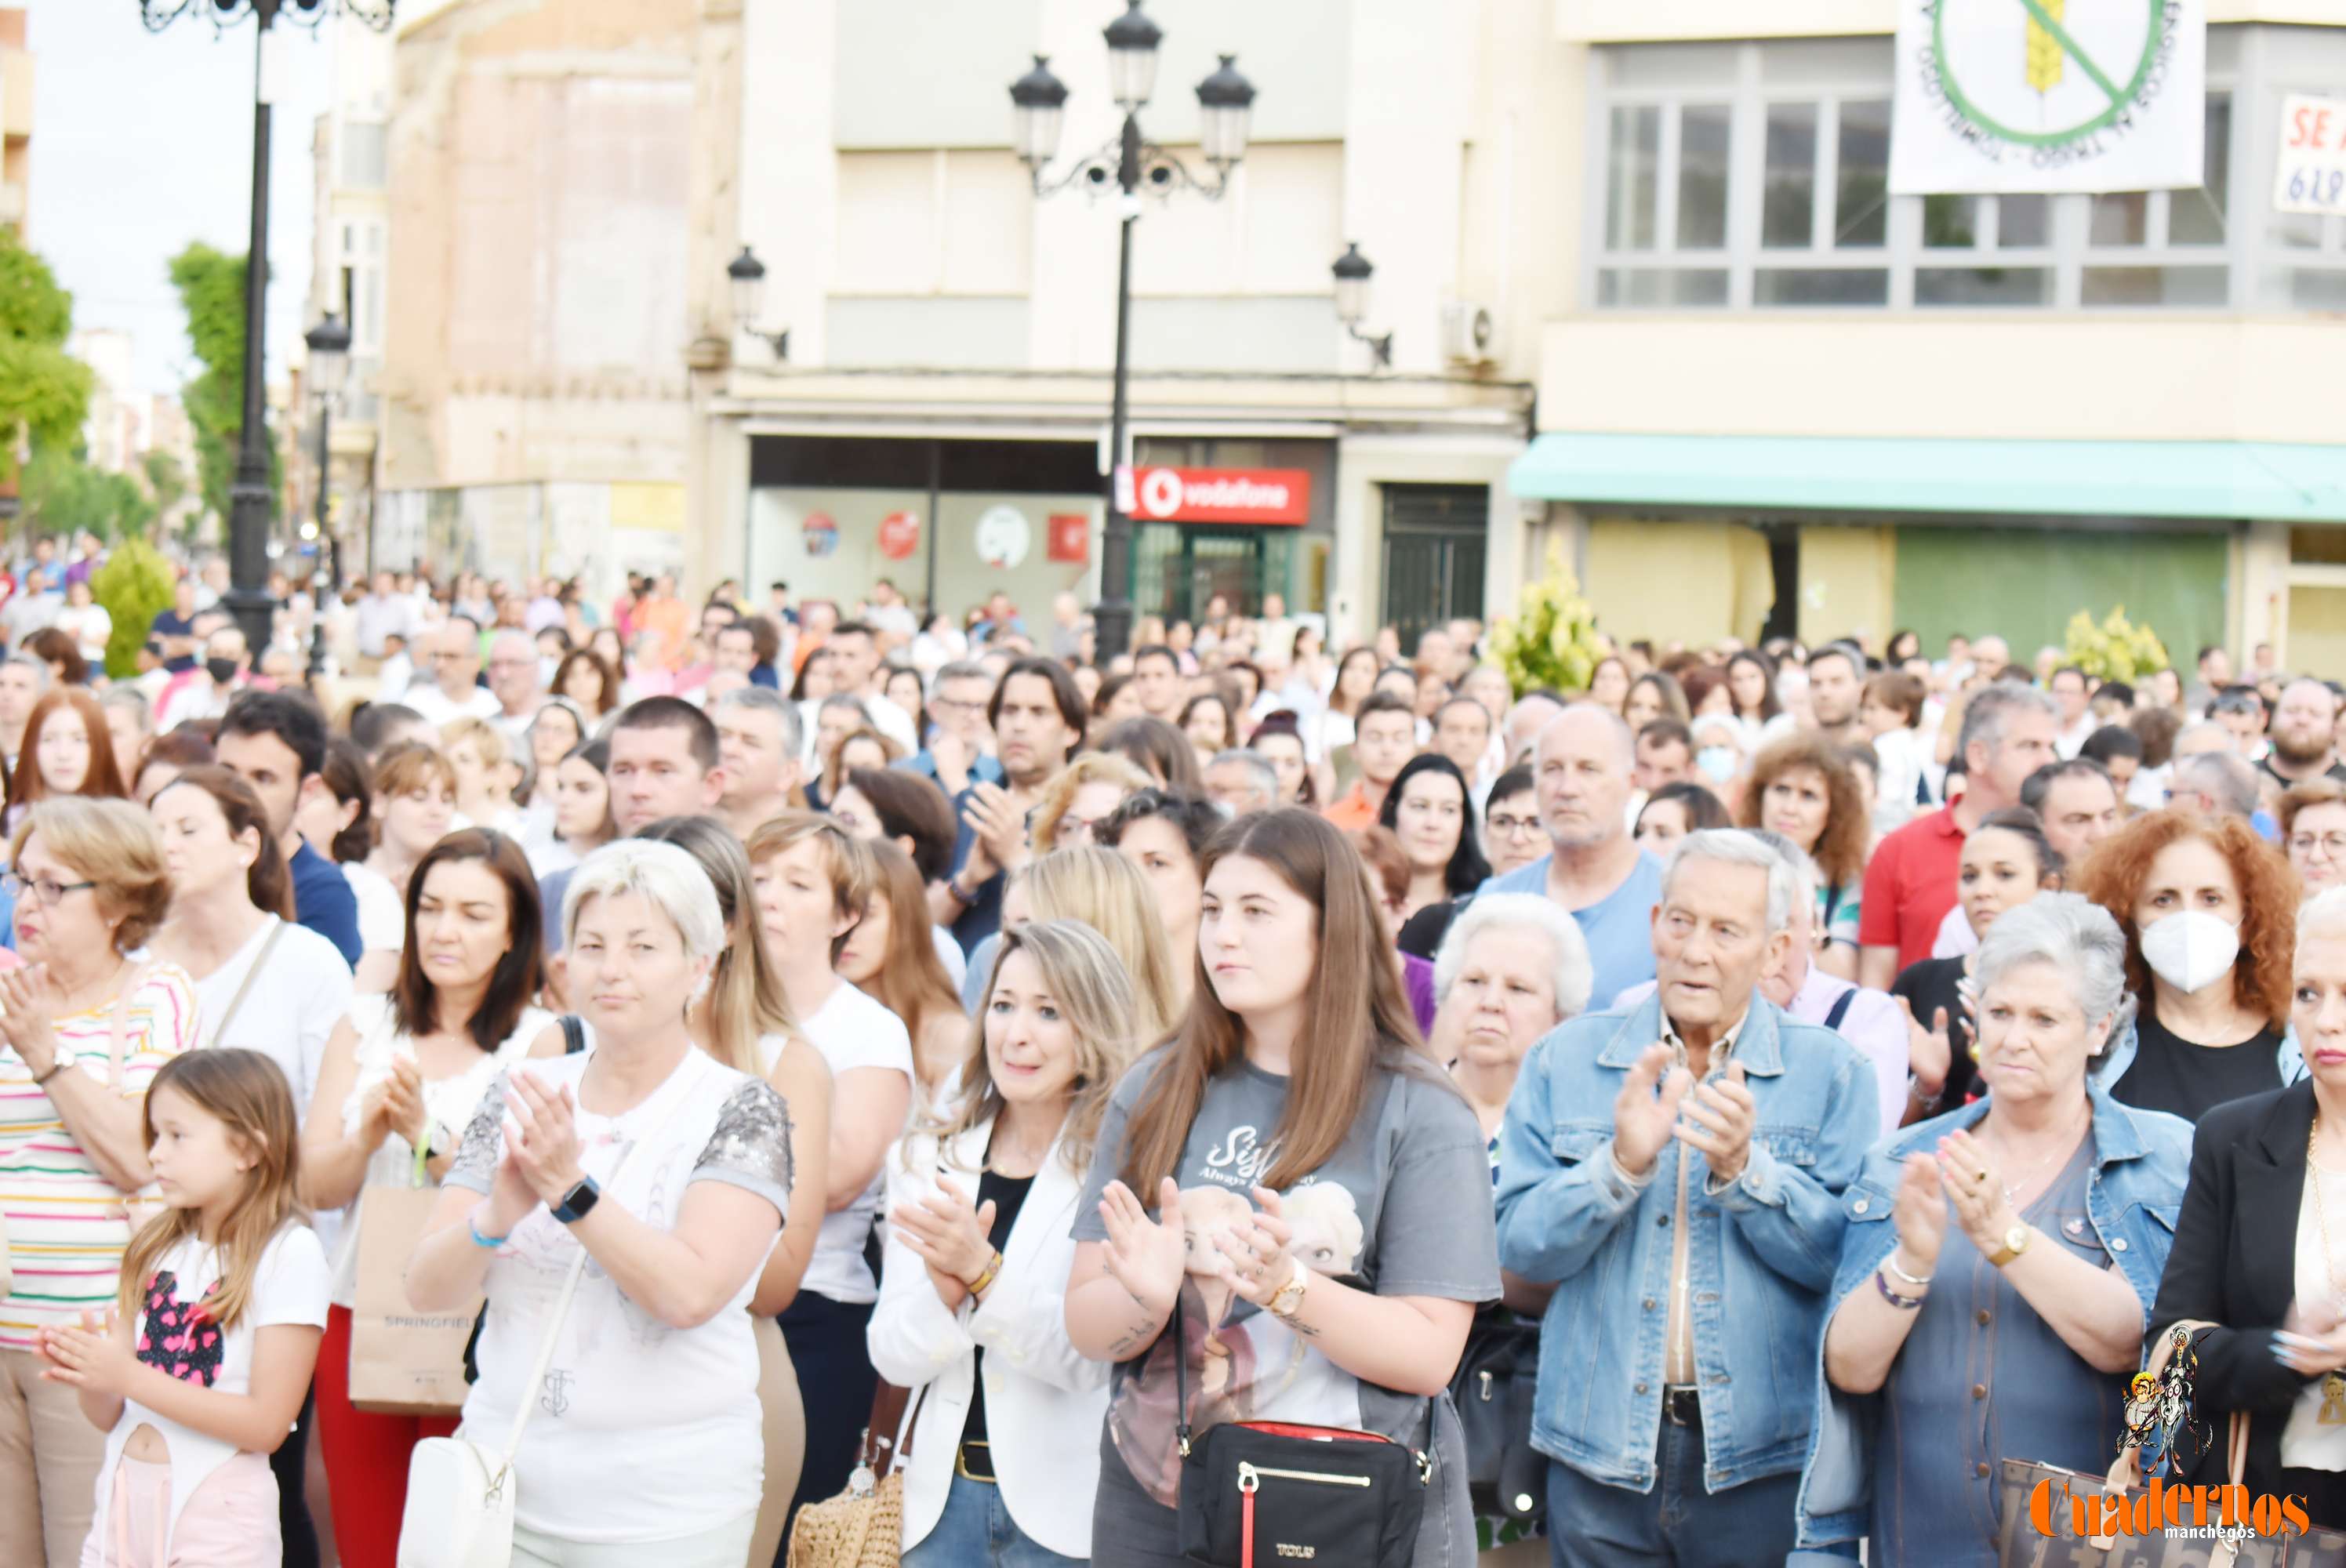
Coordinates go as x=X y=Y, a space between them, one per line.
x=249 y=504
x=1225 y=102
x=329 y=365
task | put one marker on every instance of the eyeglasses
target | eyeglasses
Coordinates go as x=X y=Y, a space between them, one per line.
x=43 y=891
x=2332 y=845
x=1505 y=827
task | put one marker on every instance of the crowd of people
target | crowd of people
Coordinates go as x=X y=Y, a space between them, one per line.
x=1717 y=1117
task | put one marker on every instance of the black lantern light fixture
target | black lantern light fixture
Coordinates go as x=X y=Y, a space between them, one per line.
x=251 y=501
x=1352 y=272
x=748 y=275
x=328 y=343
x=1130 y=164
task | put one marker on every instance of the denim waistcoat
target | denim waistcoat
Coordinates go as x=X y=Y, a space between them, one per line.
x=1760 y=1255
x=2141 y=1161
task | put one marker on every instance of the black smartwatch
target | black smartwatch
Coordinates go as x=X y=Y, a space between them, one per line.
x=578 y=1202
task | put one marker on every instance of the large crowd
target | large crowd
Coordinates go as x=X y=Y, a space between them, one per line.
x=1249 y=1096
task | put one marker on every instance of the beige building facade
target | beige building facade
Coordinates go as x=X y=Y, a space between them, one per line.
x=1774 y=398
x=531 y=314
x=16 y=120
x=942 y=414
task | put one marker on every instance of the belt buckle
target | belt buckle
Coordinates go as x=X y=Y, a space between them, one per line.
x=1681 y=1406
x=961 y=1461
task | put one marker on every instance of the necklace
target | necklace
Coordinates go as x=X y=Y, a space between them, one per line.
x=2061 y=1146
x=2333 y=1384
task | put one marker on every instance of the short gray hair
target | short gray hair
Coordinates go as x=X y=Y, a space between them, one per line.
x=1992 y=708
x=1258 y=769
x=1573 y=976
x=40 y=670
x=1804 y=869
x=960 y=670
x=2220 y=776
x=2072 y=931
x=2323 y=909
x=664 y=876
x=1735 y=847
x=764 y=699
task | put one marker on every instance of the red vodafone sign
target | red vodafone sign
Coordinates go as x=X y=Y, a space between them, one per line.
x=1222 y=494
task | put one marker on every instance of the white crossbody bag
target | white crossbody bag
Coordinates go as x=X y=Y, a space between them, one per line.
x=460 y=1494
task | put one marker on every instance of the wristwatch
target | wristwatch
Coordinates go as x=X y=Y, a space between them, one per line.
x=578 y=1202
x=1288 y=1299
x=2016 y=1242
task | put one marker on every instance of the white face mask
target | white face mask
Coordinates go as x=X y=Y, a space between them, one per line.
x=2190 y=951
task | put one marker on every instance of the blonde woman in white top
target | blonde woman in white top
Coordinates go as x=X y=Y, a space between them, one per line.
x=1003 y=1446
x=407 y=1071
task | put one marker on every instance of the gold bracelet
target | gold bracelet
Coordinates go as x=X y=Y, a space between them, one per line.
x=977 y=1285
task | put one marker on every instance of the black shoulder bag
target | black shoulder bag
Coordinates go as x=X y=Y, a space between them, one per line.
x=1291 y=1491
x=1506 y=1476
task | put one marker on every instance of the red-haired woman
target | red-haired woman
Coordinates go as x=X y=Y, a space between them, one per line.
x=1314 y=1193
x=68 y=750
x=2209 y=913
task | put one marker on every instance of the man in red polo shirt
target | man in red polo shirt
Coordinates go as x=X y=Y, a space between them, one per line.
x=1910 y=886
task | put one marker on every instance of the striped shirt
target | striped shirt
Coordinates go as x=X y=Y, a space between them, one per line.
x=66 y=1223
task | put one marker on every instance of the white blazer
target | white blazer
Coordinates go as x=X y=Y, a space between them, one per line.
x=1044 y=1403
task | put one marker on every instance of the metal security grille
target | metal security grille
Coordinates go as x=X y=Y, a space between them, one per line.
x=1437 y=541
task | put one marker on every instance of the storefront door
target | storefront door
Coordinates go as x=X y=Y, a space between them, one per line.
x=1182 y=565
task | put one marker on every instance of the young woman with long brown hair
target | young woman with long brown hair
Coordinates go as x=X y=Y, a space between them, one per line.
x=68 y=750
x=1321 y=1198
x=891 y=956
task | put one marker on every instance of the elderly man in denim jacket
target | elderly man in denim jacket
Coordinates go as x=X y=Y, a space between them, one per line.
x=1675 y=1170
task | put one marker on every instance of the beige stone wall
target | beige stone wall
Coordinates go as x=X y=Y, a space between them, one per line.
x=537 y=315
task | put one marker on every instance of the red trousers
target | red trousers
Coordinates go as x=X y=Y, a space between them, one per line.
x=366 y=1456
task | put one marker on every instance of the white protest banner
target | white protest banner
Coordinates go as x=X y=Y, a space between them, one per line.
x=2053 y=96
x=2310 y=176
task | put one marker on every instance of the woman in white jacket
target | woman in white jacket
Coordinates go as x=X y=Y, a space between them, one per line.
x=1002 y=1447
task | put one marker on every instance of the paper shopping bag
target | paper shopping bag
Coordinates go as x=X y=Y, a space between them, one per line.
x=403 y=1361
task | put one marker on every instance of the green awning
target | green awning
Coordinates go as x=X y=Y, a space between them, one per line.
x=2268 y=480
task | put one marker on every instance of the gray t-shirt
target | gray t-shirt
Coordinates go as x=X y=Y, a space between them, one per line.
x=1403 y=1209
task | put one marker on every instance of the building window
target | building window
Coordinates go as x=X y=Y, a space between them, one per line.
x=366 y=154
x=1756 y=176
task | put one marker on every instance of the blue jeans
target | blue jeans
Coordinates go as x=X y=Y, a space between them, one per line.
x=1593 y=1526
x=976 y=1529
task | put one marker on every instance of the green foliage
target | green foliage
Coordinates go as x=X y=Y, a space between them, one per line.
x=43 y=390
x=2115 y=650
x=167 y=480
x=211 y=290
x=135 y=586
x=1551 y=640
x=64 y=495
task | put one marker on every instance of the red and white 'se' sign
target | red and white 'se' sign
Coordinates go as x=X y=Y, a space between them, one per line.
x=1222 y=494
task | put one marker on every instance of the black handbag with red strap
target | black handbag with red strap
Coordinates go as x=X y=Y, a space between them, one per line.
x=1273 y=1492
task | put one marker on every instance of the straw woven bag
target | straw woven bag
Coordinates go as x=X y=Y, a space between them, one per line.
x=863 y=1526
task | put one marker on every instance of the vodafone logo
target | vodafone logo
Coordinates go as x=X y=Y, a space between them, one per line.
x=1222 y=494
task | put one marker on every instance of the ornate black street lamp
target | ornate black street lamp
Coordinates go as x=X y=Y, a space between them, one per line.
x=1352 y=272
x=1225 y=103
x=251 y=505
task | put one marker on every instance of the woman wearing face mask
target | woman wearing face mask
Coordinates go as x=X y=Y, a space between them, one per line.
x=2006 y=861
x=1005 y=1445
x=2209 y=910
x=2262 y=1236
x=1801 y=788
x=407 y=1069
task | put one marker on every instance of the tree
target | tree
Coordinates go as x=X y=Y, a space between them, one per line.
x=211 y=290
x=43 y=390
x=64 y=495
x=135 y=586
x=167 y=480
x=1551 y=640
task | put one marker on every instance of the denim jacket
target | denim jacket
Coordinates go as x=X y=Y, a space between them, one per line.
x=1760 y=1254
x=2141 y=1161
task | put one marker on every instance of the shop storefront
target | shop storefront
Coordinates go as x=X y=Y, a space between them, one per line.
x=1238 y=519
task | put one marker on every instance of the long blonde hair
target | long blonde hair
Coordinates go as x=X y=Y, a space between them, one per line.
x=745 y=1000
x=1084 y=976
x=1110 y=894
x=248 y=1092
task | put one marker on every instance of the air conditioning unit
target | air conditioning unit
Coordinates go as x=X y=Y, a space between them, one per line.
x=1470 y=334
